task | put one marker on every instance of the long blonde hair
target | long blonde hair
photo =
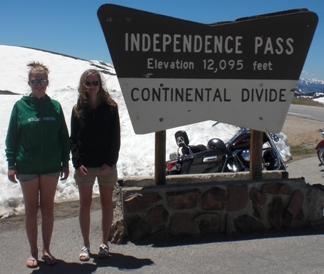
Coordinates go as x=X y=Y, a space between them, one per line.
x=82 y=103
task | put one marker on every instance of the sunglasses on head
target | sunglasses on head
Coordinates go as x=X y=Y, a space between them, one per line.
x=93 y=83
x=34 y=82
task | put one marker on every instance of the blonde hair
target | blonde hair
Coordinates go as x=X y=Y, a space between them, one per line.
x=82 y=103
x=37 y=67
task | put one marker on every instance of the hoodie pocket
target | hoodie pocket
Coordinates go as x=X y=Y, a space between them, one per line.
x=22 y=154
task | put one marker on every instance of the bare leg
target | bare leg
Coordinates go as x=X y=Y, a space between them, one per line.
x=85 y=193
x=48 y=186
x=30 y=191
x=107 y=211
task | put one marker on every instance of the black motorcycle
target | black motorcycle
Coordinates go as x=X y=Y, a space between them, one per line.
x=217 y=157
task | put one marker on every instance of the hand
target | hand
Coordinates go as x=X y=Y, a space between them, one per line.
x=12 y=173
x=82 y=170
x=64 y=173
x=105 y=169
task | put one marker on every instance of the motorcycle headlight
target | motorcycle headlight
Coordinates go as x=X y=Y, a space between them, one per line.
x=173 y=156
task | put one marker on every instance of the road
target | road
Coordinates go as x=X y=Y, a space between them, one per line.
x=307 y=112
x=309 y=168
x=289 y=252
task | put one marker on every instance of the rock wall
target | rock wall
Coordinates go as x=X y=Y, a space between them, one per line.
x=206 y=204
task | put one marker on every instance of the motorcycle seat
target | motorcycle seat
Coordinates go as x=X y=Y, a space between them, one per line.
x=193 y=149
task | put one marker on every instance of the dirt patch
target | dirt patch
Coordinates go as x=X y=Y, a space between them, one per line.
x=303 y=135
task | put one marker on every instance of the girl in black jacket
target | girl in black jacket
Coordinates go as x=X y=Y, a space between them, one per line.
x=95 y=144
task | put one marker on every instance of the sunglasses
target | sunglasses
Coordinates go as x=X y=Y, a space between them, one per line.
x=43 y=82
x=93 y=83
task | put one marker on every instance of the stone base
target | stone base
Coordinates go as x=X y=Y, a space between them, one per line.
x=213 y=204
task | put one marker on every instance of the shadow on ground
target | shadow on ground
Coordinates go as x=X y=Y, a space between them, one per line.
x=315 y=229
x=115 y=260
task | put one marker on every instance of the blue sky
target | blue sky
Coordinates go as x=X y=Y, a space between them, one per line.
x=72 y=27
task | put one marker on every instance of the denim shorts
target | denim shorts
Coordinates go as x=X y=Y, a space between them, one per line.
x=109 y=179
x=29 y=177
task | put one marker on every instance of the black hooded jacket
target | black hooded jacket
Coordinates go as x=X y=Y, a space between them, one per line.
x=95 y=138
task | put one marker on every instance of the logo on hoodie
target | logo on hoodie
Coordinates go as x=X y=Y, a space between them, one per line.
x=36 y=119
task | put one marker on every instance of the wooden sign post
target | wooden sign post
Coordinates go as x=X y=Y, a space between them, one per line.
x=256 y=154
x=159 y=171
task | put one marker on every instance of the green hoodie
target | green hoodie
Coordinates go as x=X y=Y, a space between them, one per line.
x=37 y=139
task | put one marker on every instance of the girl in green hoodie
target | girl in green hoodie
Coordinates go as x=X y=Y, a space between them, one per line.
x=37 y=150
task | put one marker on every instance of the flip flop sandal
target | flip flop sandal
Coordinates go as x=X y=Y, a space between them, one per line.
x=84 y=254
x=103 y=251
x=49 y=260
x=33 y=260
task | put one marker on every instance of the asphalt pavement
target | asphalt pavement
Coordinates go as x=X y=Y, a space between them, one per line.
x=299 y=251
x=309 y=168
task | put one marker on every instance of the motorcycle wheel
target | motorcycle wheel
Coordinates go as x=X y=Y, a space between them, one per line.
x=320 y=155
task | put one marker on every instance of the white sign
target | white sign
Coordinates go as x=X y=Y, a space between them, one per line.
x=174 y=72
x=156 y=105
